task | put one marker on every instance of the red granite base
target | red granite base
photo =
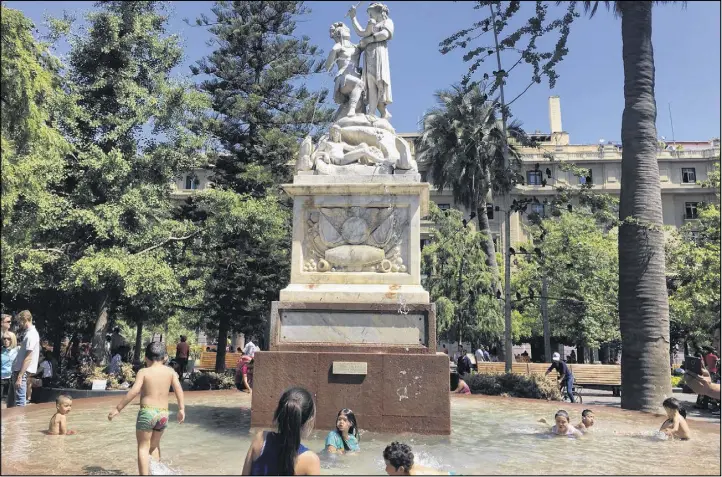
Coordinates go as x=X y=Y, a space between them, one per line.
x=399 y=393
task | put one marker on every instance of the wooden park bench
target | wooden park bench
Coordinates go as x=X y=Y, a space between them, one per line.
x=605 y=376
x=208 y=360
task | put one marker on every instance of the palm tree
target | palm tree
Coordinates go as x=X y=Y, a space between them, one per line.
x=643 y=305
x=462 y=142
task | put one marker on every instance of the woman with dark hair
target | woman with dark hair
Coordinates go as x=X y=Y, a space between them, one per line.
x=345 y=438
x=281 y=452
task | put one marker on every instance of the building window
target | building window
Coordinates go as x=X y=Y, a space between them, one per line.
x=444 y=206
x=586 y=179
x=192 y=182
x=690 y=210
x=490 y=211
x=688 y=175
x=534 y=177
x=537 y=209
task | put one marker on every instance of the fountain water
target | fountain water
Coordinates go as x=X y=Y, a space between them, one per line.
x=490 y=435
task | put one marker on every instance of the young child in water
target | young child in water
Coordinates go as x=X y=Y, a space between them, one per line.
x=59 y=422
x=400 y=461
x=563 y=426
x=345 y=438
x=587 y=421
x=676 y=424
x=152 y=383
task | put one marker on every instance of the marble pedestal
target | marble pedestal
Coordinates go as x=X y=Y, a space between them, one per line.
x=356 y=239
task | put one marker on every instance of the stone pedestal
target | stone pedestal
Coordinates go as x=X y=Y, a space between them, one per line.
x=398 y=393
x=356 y=239
x=355 y=326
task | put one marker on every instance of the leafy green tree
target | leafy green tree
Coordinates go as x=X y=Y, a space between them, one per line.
x=32 y=152
x=116 y=229
x=459 y=280
x=579 y=260
x=693 y=262
x=240 y=260
x=261 y=105
x=462 y=142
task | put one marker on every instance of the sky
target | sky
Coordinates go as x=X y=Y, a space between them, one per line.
x=686 y=45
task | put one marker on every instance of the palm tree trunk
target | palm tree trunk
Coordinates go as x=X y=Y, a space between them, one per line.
x=487 y=245
x=643 y=306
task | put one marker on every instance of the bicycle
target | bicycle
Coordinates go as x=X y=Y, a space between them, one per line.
x=575 y=393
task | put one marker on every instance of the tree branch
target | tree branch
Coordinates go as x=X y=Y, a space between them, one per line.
x=520 y=94
x=168 y=240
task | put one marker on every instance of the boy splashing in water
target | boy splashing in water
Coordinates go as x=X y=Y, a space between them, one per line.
x=152 y=383
x=59 y=422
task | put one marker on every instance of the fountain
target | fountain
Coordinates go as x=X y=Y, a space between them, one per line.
x=355 y=326
x=489 y=435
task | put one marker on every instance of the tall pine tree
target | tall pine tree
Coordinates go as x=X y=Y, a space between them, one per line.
x=261 y=109
x=261 y=105
x=131 y=136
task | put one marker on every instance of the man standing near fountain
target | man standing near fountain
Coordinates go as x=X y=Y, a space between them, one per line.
x=28 y=356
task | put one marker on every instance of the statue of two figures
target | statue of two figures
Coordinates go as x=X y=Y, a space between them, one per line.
x=359 y=142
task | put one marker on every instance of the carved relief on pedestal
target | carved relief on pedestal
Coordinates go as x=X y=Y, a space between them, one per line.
x=355 y=239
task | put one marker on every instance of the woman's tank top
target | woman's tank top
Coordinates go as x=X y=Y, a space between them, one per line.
x=267 y=462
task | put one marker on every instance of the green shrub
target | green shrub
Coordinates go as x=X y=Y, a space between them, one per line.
x=677 y=381
x=535 y=386
x=208 y=381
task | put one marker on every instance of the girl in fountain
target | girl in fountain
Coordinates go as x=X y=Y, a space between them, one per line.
x=563 y=426
x=676 y=424
x=462 y=388
x=281 y=452
x=345 y=438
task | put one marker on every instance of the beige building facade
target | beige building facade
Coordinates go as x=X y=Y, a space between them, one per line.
x=683 y=167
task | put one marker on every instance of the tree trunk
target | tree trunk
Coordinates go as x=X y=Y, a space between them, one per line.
x=487 y=245
x=101 y=329
x=58 y=343
x=643 y=306
x=223 y=327
x=545 y=319
x=138 y=341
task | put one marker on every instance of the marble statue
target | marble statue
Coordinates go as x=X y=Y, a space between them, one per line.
x=333 y=150
x=348 y=85
x=376 y=70
x=359 y=142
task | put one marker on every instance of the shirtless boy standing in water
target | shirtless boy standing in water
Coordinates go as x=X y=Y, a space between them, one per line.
x=152 y=382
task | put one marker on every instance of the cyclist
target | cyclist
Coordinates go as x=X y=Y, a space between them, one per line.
x=565 y=374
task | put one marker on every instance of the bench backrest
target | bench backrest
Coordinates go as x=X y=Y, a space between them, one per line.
x=208 y=360
x=605 y=374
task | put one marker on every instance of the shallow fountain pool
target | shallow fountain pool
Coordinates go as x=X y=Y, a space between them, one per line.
x=489 y=436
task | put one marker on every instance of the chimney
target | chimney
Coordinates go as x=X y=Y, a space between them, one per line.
x=555 y=114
